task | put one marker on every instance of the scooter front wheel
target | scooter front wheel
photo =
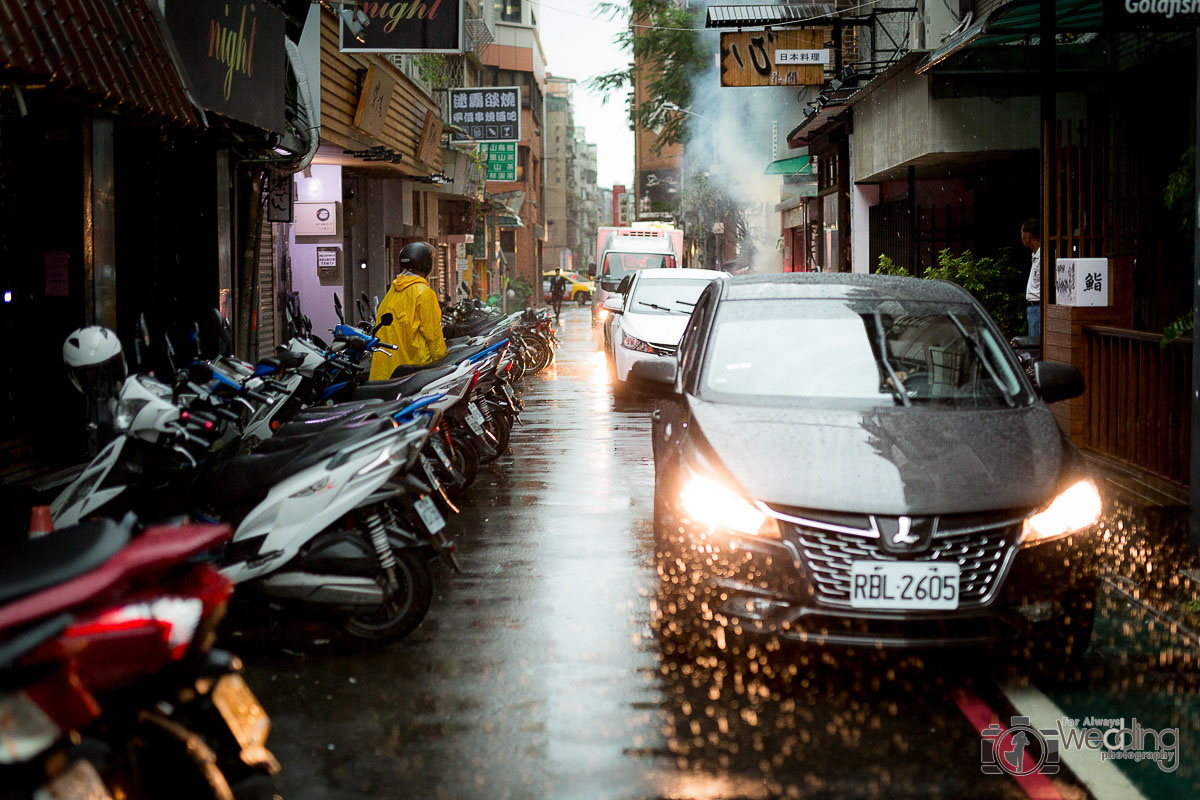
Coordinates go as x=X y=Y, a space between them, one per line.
x=410 y=604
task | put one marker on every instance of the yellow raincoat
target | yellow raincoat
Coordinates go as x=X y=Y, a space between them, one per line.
x=416 y=327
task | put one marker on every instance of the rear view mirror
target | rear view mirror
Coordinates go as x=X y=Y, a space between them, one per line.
x=384 y=321
x=267 y=366
x=1056 y=381
x=337 y=307
x=655 y=377
x=614 y=304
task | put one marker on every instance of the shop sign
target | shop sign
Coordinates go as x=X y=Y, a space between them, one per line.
x=489 y=114
x=329 y=265
x=658 y=193
x=420 y=26
x=279 y=199
x=1081 y=282
x=773 y=58
x=501 y=160
x=233 y=51
x=317 y=219
x=1173 y=15
x=373 y=101
x=431 y=138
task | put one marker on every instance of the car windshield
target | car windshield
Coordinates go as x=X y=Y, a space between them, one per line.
x=857 y=352
x=618 y=265
x=666 y=296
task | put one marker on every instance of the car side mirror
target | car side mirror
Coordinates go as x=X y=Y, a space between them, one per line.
x=614 y=304
x=655 y=377
x=1056 y=381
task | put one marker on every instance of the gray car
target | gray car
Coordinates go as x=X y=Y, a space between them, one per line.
x=860 y=460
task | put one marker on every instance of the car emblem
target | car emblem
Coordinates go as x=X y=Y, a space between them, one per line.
x=902 y=535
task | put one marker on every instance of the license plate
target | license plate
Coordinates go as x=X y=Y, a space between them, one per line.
x=80 y=781
x=508 y=392
x=428 y=469
x=474 y=420
x=429 y=514
x=928 y=585
x=439 y=451
x=241 y=711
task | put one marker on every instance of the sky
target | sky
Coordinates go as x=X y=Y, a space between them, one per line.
x=579 y=44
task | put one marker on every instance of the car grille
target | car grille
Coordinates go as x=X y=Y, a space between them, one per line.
x=981 y=552
x=663 y=350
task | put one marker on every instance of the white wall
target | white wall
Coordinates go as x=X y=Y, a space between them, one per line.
x=862 y=197
x=325 y=186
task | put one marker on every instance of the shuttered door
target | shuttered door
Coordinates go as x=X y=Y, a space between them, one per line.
x=266 y=290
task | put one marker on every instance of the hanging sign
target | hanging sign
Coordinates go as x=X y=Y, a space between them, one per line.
x=431 y=138
x=279 y=199
x=233 y=51
x=373 y=101
x=754 y=58
x=501 y=160
x=488 y=114
x=317 y=219
x=1081 y=281
x=419 y=26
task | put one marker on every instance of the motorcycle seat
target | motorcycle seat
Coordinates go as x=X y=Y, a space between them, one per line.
x=58 y=557
x=335 y=411
x=402 y=387
x=244 y=479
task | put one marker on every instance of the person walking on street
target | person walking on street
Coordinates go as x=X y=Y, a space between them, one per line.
x=558 y=285
x=416 y=328
x=1031 y=238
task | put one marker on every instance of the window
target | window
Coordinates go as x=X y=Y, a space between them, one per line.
x=508 y=240
x=508 y=10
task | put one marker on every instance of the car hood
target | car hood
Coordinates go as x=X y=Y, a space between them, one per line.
x=664 y=329
x=915 y=461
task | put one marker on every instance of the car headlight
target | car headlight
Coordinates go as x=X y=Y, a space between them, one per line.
x=127 y=411
x=708 y=502
x=1072 y=511
x=602 y=314
x=633 y=343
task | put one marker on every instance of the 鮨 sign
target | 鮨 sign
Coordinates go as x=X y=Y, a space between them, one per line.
x=1081 y=281
x=501 y=160
x=487 y=114
x=419 y=26
x=755 y=58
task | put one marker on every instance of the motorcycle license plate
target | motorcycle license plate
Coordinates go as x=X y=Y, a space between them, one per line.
x=508 y=392
x=427 y=467
x=242 y=712
x=915 y=585
x=429 y=514
x=440 y=451
x=474 y=420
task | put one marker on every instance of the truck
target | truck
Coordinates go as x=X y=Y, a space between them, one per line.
x=621 y=251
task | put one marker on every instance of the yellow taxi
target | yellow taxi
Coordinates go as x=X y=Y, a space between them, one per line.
x=580 y=290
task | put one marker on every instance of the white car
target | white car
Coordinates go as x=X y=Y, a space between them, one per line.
x=648 y=320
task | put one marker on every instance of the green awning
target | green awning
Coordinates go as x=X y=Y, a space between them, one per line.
x=1018 y=20
x=796 y=165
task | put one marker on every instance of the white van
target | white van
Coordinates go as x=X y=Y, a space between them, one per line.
x=623 y=251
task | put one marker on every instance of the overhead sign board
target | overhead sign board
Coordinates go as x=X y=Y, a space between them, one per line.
x=754 y=58
x=1174 y=15
x=317 y=219
x=374 y=100
x=801 y=58
x=501 y=158
x=487 y=114
x=233 y=51
x=430 y=26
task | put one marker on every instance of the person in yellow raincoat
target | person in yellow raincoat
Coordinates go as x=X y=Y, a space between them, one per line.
x=416 y=327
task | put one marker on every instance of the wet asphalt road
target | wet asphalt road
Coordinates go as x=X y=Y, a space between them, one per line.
x=539 y=674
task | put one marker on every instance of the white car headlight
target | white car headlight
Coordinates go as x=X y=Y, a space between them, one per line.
x=1075 y=509
x=708 y=502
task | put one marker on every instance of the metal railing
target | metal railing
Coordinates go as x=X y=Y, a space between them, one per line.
x=1138 y=399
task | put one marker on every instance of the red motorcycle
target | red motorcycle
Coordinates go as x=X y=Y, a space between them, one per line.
x=109 y=683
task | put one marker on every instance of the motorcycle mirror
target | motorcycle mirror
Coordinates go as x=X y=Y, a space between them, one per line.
x=337 y=307
x=384 y=321
x=375 y=306
x=267 y=366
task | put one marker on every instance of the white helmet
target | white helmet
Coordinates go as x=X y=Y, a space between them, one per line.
x=95 y=361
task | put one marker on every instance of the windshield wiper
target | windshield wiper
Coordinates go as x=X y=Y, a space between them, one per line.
x=977 y=349
x=685 y=303
x=657 y=307
x=895 y=384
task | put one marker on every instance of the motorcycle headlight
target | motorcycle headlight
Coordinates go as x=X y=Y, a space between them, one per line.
x=1075 y=509
x=127 y=411
x=708 y=502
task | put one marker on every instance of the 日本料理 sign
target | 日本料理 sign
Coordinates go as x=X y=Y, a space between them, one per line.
x=757 y=58
x=487 y=114
x=501 y=160
x=420 y=26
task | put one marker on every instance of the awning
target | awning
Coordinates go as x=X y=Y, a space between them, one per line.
x=793 y=15
x=1018 y=20
x=802 y=134
x=109 y=52
x=796 y=165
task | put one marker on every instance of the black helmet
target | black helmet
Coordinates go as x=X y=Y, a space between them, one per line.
x=417 y=258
